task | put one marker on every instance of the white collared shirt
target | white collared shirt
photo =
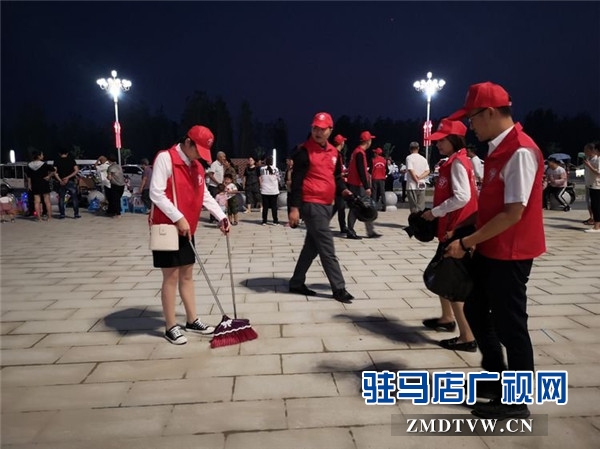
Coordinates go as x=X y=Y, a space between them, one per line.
x=163 y=170
x=519 y=172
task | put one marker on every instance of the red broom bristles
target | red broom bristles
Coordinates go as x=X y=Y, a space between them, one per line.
x=232 y=332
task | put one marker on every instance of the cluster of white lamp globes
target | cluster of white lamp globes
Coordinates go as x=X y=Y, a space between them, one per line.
x=429 y=87
x=114 y=86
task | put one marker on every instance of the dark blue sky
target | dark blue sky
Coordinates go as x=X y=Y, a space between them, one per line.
x=292 y=59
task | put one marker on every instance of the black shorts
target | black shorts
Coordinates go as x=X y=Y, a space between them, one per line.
x=172 y=259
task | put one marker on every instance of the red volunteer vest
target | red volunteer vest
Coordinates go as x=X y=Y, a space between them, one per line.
x=353 y=178
x=443 y=191
x=524 y=240
x=319 y=183
x=189 y=185
x=379 y=168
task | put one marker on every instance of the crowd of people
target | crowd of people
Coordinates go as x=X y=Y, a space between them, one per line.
x=490 y=215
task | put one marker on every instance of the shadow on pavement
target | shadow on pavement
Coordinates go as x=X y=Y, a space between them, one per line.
x=392 y=330
x=266 y=284
x=137 y=320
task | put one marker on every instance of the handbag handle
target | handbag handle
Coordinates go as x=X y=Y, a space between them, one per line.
x=150 y=220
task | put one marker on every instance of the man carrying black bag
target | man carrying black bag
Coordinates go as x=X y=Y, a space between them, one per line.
x=455 y=205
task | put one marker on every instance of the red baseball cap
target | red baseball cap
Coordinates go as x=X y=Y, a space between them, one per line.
x=339 y=139
x=447 y=127
x=366 y=135
x=203 y=138
x=322 y=120
x=378 y=151
x=483 y=95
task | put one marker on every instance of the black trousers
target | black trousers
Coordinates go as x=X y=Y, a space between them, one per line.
x=595 y=203
x=269 y=202
x=339 y=207
x=497 y=313
x=318 y=242
x=114 y=200
x=378 y=192
x=556 y=193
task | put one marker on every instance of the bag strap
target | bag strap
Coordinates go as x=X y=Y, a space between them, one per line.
x=150 y=219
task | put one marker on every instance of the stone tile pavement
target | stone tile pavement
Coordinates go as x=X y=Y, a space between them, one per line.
x=84 y=364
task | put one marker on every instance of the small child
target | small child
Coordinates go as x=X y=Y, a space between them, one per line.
x=232 y=206
x=222 y=197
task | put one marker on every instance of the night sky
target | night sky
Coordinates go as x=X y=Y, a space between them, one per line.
x=292 y=59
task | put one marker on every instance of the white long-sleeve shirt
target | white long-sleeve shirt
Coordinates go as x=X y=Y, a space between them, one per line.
x=461 y=191
x=163 y=170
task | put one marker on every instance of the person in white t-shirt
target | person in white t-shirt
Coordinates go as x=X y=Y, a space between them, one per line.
x=477 y=164
x=588 y=178
x=593 y=183
x=556 y=176
x=269 y=190
x=214 y=176
x=417 y=171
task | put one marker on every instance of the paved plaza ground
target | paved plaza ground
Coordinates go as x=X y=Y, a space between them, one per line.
x=84 y=364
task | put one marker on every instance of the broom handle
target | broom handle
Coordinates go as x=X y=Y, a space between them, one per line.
x=231 y=276
x=207 y=279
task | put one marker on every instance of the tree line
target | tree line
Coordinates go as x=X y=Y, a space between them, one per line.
x=145 y=132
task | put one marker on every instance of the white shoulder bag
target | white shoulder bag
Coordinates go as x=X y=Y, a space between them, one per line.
x=164 y=237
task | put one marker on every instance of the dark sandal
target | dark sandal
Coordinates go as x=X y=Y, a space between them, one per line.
x=434 y=323
x=454 y=345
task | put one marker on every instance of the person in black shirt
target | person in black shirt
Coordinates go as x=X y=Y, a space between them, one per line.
x=38 y=182
x=66 y=171
x=251 y=186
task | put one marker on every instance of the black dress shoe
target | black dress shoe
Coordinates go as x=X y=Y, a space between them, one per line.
x=497 y=410
x=303 y=290
x=352 y=235
x=343 y=296
x=454 y=345
x=434 y=323
x=375 y=235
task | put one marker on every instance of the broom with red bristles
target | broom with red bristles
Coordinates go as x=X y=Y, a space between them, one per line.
x=229 y=331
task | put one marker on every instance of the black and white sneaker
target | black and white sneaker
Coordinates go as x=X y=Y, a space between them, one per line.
x=200 y=327
x=175 y=336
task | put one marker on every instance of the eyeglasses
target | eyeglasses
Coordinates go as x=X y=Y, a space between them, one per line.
x=477 y=113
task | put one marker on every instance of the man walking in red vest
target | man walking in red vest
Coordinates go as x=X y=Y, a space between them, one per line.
x=378 y=174
x=359 y=184
x=509 y=235
x=316 y=178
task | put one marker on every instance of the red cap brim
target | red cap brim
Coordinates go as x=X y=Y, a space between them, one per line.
x=458 y=115
x=438 y=136
x=204 y=153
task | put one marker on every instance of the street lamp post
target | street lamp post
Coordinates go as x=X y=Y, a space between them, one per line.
x=430 y=87
x=114 y=86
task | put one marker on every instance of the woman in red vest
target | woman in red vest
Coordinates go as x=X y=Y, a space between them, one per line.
x=454 y=205
x=178 y=192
